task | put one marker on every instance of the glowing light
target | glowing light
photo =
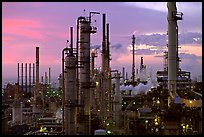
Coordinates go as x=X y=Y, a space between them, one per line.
x=156 y=123
x=146 y=121
x=187 y=126
x=190 y=101
x=98 y=110
x=155 y=120
x=124 y=102
x=107 y=124
x=108 y=132
x=184 y=127
x=134 y=103
x=158 y=102
x=97 y=83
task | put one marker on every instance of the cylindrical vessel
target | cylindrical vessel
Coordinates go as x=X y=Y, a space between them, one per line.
x=70 y=95
x=172 y=53
x=84 y=72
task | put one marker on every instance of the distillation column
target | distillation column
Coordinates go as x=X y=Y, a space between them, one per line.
x=103 y=69
x=84 y=72
x=70 y=91
x=172 y=48
x=117 y=100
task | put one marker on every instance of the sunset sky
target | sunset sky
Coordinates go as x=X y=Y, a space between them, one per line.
x=26 y=25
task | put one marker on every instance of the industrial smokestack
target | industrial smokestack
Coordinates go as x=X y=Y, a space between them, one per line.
x=133 y=58
x=104 y=44
x=108 y=49
x=104 y=27
x=26 y=77
x=29 y=77
x=33 y=73
x=18 y=74
x=18 y=77
x=37 y=73
x=49 y=76
x=71 y=41
x=123 y=75
x=22 y=77
x=46 y=80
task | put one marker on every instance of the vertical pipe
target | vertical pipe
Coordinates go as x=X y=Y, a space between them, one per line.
x=45 y=78
x=108 y=49
x=29 y=77
x=18 y=77
x=123 y=75
x=104 y=45
x=133 y=58
x=71 y=41
x=108 y=75
x=92 y=62
x=103 y=88
x=49 y=76
x=33 y=73
x=37 y=72
x=42 y=79
x=126 y=75
x=18 y=73
x=22 y=77
x=26 y=77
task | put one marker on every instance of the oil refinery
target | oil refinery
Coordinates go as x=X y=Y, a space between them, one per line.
x=103 y=101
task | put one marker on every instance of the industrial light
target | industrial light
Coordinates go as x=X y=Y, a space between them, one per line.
x=156 y=123
x=97 y=83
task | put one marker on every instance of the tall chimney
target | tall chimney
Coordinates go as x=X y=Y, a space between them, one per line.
x=123 y=75
x=22 y=77
x=108 y=49
x=29 y=77
x=18 y=77
x=26 y=77
x=104 y=44
x=49 y=71
x=133 y=58
x=46 y=81
x=33 y=73
x=37 y=72
x=71 y=41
